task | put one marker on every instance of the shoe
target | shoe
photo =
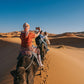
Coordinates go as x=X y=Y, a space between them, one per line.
x=41 y=65
x=47 y=49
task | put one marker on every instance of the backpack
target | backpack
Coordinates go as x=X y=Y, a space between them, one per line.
x=38 y=40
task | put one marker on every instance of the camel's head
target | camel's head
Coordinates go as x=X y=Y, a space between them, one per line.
x=21 y=76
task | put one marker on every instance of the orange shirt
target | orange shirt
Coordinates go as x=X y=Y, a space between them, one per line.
x=27 y=42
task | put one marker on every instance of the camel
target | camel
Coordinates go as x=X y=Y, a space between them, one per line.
x=26 y=68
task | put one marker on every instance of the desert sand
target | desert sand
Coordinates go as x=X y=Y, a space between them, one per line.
x=64 y=63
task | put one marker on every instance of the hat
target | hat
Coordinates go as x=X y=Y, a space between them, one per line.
x=45 y=33
x=26 y=25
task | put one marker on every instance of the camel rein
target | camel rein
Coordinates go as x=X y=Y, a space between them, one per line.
x=30 y=63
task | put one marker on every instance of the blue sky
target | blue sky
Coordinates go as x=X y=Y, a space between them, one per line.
x=54 y=16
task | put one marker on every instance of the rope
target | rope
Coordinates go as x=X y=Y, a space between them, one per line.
x=30 y=63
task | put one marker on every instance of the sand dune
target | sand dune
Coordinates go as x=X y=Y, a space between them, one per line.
x=9 y=51
x=68 y=41
x=68 y=67
x=63 y=65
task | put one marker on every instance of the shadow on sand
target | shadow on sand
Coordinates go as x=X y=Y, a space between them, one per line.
x=8 y=57
x=71 y=41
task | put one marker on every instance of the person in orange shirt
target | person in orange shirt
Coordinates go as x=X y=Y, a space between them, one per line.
x=26 y=42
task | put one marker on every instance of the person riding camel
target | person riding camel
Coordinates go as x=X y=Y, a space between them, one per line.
x=26 y=42
x=46 y=38
x=41 y=39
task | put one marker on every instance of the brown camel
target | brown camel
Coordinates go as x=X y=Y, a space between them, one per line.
x=26 y=68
